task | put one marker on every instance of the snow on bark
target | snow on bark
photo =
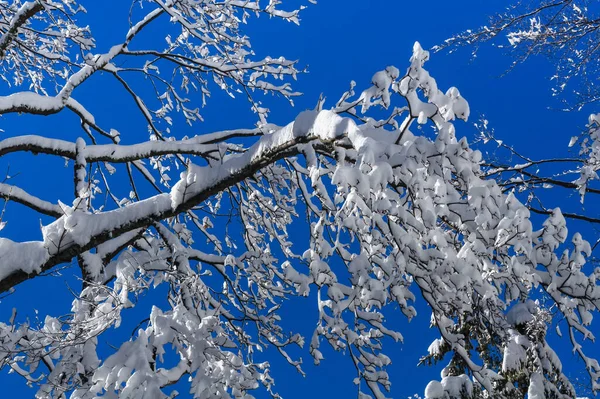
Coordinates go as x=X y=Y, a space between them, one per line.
x=27 y=257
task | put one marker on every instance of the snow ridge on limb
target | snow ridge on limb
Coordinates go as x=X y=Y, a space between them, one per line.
x=76 y=231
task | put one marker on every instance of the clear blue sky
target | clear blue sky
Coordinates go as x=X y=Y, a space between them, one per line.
x=338 y=42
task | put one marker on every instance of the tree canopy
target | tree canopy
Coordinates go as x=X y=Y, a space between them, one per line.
x=374 y=202
x=565 y=31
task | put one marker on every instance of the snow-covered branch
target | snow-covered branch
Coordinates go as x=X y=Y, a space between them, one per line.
x=565 y=31
x=23 y=14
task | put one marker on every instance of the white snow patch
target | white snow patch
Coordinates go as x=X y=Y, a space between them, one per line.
x=455 y=386
x=434 y=390
x=27 y=257
x=325 y=124
x=521 y=313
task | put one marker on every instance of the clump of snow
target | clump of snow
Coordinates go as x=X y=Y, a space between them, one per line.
x=521 y=313
x=434 y=390
x=192 y=176
x=30 y=100
x=27 y=257
x=515 y=353
x=536 y=387
x=435 y=349
x=457 y=386
x=325 y=124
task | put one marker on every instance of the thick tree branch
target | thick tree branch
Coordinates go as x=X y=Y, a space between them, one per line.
x=16 y=194
x=25 y=12
x=104 y=226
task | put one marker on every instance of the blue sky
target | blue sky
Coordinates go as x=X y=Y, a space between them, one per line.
x=338 y=42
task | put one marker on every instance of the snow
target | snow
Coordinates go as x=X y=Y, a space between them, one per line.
x=37 y=144
x=19 y=195
x=25 y=257
x=521 y=313
x=457 y=386
x=80 y=227
x=80 y=168
x=515 y=354
x=325 y=124
x=435 y=347
x=18 y=19
x=85 y=115
x=30 y=101
x=536 y=387
x=409 y=214
x=434 y=390
x=124 y=153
